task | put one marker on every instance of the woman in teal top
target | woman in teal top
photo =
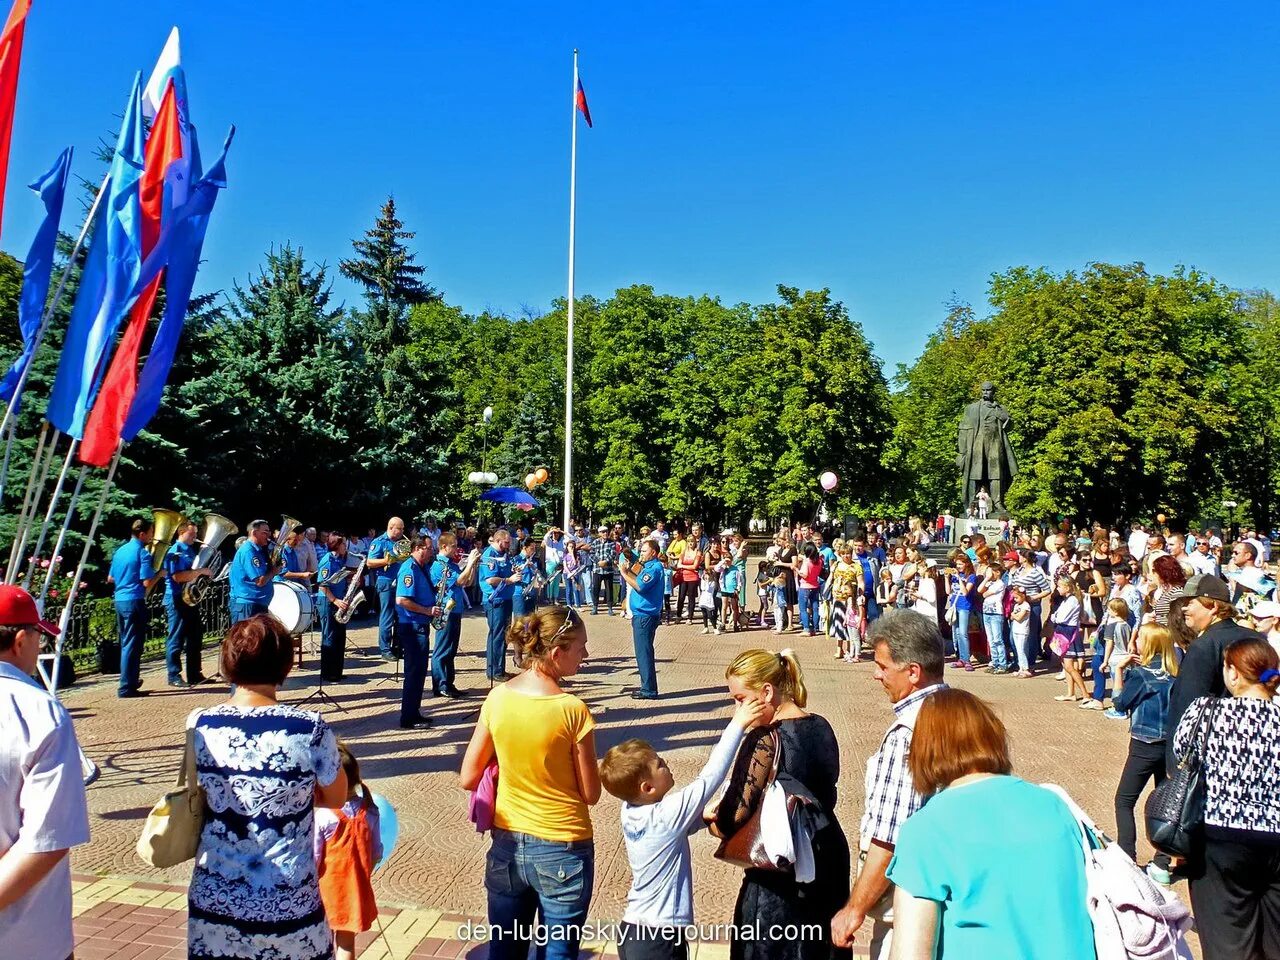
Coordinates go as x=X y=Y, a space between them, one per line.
x=1015 y=892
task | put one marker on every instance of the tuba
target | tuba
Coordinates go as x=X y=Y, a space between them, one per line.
x=287 y=523
x=216 y=529
x=166 y=525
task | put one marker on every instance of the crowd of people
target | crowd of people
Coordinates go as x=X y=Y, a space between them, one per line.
x=1161 y=623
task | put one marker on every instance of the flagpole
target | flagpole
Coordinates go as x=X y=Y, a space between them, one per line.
x=65 y=617
x=47 y=317
x=39 y=474
x=568 y=375
x=53 y=509
x=56 y=552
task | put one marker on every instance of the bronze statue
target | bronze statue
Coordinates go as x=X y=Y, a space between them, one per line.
x=986 y=459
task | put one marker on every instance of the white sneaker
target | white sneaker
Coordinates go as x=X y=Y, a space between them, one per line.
x=716 y=631
x=1060 y=676
x=705 y=631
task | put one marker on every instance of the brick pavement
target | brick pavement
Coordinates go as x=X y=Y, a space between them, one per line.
x=439 y=860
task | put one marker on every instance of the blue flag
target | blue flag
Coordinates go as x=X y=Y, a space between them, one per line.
x=178 y=249
x=110 y=271
x=38 y=268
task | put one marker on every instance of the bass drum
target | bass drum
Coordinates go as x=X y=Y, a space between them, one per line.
x=293 y=606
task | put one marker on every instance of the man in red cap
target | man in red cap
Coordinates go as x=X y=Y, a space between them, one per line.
x=42 y=803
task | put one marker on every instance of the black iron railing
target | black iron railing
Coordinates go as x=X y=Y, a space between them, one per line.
x=93 y=621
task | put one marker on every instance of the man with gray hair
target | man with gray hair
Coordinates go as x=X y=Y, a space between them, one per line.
x=909 y=658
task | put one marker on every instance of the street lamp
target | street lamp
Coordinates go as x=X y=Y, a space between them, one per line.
x=1231 y=507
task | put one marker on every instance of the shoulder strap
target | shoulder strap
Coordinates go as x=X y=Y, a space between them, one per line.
x=187 y=772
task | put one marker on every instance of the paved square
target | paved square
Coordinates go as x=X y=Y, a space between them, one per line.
x=438 y=864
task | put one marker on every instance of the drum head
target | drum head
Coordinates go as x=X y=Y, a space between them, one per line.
x=291 y=605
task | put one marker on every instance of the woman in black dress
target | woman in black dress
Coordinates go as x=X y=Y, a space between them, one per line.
x=811 y=756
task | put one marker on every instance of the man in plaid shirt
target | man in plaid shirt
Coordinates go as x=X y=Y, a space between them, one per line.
x=909 y=657
x=604 y=556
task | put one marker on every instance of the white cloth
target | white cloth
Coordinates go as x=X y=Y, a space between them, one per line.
x=1138 y=544
x=42 y=809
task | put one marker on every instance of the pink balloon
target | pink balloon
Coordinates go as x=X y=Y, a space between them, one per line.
x=829 y=481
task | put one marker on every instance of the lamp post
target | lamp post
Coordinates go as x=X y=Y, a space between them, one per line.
x=1231 y=505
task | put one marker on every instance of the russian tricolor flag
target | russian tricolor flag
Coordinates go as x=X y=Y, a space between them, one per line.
x=582 y=102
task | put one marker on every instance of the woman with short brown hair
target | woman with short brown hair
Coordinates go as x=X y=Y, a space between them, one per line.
x=965 y=892
x=263 y=766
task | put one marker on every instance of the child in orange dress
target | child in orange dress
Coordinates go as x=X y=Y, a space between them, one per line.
x=348 y=842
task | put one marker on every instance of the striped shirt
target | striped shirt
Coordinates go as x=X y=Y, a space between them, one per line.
x=1031 y=579
x=890 y=795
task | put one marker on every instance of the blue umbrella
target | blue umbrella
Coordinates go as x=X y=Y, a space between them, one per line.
x=510 y=495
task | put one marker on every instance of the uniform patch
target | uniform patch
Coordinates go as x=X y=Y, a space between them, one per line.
x=408 y=580
x=257 y=562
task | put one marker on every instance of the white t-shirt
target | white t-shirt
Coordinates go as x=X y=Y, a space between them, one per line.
x=993 y=599
x=1138 y=544
x=1021 y=628
x=42 y=809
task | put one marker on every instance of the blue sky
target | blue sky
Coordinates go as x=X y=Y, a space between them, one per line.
x=892 y=152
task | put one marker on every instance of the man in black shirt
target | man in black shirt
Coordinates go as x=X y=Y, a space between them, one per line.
x=1208 y=611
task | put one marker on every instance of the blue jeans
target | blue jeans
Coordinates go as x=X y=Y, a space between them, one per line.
x=333 y=640
x=1100 y=679
x=644 y=626
x=244 y=609
x=571 y=593
x=779 y=608
x=525 y=876
x=495 y=649
x=387 y=616
x=131 y=625
x=960 y=633
x=442 y=670
x=522 y=605
x=185 y=634
x=993 y=625
x=808 y=609
x=415 y=641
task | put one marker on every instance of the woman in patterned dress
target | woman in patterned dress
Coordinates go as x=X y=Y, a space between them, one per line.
x=263 y=766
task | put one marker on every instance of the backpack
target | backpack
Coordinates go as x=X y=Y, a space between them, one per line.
x=1133 y=917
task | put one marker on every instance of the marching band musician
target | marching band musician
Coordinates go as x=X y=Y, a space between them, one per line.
x=185 y=629
x=524 y=599
x=381 y=550
x=133 y=573
x=450 y=582
x=414 y=607
x=496 y=580
x=646 y=585
x=331 y=599
x=251 y=574
x=291 y=558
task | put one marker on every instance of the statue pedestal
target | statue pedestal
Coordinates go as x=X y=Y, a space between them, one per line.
x=988 y=528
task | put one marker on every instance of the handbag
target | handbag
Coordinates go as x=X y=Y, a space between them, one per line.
x=171 y=834
x=1174 y=812
x=1132 y=916
x=484 y=799
x=748 y=847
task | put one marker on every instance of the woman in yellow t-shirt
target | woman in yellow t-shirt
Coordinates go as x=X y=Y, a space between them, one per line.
x=542 y=859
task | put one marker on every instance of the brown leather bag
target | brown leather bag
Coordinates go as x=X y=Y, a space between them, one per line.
x=745 y=847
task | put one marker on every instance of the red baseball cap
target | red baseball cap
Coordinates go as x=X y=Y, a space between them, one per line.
x=18 y=609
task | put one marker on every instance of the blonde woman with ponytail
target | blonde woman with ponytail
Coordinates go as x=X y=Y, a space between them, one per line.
x=542 y=858
x=810 y=762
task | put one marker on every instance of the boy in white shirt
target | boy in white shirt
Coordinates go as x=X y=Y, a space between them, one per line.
x=656 y=823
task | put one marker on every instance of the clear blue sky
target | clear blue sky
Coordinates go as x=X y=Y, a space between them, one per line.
x=892 y=152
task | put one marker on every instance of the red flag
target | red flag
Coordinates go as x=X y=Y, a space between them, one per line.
x=106 y=419
x=581 y=99
x=10 y=63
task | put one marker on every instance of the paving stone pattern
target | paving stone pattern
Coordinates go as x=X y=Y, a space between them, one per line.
x=437 y=867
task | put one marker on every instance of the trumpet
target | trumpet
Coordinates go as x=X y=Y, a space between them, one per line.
x=287 y=526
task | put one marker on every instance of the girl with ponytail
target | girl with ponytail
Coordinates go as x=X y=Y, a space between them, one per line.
x=543 y=742
x=1236 y=897
x=809 y=760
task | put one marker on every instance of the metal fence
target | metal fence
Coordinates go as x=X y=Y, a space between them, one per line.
x=93 y=620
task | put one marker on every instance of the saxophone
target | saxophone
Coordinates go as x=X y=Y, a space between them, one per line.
x=444 y=605
x=355 y=594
